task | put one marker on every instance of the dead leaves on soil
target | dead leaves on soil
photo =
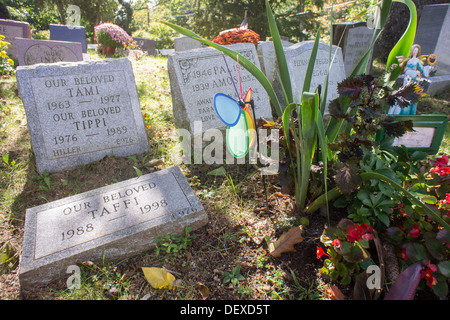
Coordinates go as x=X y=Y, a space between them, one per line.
x=286 y=242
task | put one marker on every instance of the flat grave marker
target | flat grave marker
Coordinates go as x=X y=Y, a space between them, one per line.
x=81 y=112
x=112 y=222
x=12 y=29
x=32 y=51
x=197 y=75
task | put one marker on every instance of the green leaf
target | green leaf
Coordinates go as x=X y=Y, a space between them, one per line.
x=395 y=234
x=416 y=251
x=444 y=268
x=281 y=57
x=383 y=218
x=405 y=43
x=436 y=248
x=311 y=63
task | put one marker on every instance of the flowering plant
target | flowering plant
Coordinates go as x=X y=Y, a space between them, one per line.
x=347 y=250
x=6 y=63
x=109 y=34
x=419 y=238
x=237 y=35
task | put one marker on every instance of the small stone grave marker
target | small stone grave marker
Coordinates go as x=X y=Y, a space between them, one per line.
x=112 y=222
x=81 y=112
x=69 y=33
x=298 y=56
x=197 y=75
x=12 y=29
x=32 y=51
x=147 y=45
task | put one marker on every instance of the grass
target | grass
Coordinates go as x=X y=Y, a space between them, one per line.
x=235 y=235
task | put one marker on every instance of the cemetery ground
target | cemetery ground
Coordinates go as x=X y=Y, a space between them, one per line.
x=226 y=259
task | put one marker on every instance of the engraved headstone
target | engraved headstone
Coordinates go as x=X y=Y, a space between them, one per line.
x=32 y=51
x=354 y=40
x=298 y=56
x=69 y=33
x=186 y=44
x=12 y=29
x=147 y=45
x=433 y=35
x=112 y=222
x=81 y=112
x=197 y=75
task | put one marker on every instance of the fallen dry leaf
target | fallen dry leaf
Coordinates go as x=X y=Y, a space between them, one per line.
x=203 y=290
x=333 y=293
x=159 y=278
x=287 y=241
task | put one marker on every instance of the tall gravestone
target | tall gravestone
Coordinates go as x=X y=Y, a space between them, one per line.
x=298 y=57
x=433 y=35
x=112 y=222
x=147 y=45
x=69 y=33
x=31 y=51
x=186 y=43
x=81 y=112
x=12 y=29
x=354 y=39
x=197 y=75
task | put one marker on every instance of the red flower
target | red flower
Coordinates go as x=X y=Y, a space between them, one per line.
x=444 y=172
x=404 y=256
x=442 y=161
x=447 y=197
x=415 y=231
x=320 y=253
x=427 y=274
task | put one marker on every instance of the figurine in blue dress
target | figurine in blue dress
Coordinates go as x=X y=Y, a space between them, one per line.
x=414 y=71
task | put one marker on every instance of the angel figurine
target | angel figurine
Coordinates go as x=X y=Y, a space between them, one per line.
x=414 y=70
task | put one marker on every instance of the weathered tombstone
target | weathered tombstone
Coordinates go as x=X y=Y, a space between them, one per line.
x=268 y=59
x=147 y=45
x=354 y=40
x=112 y=222
x=68 y=33
x=433 y=35
x=32 y=51
x=197 y=75
x=81 y=112
x=186 y=44
x=12 y=29
x=298 y=56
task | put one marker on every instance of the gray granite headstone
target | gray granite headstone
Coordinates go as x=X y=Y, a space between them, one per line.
x=69 y=33
x=112 y=222
x=186 y=43
x=81 y=112
x=12 y=29
x=32 y=51
x=147 y=45
x=354 y=40
x=433 y=35
x=197 y=75
x=298 y=57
